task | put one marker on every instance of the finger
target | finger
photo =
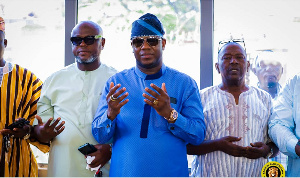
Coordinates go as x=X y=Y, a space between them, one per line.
x=256 y=144
x=60 y=130
x=40 y=121
x=149 y=103
x=151 y=92
x=119 y=93
x=111 y=85
x=47 y=124
x=234 y=139
x=150 y=98
x=17 y=130
x=121 y=98
x=53 y=125
x=120 y=105
x=60 y=125
x=112 y=91
x=163 y=87
x=6 y=131
x=159 y=90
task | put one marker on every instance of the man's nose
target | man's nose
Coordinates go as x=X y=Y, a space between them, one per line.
x=82 y=43
x=145 y=44
x=233 y=59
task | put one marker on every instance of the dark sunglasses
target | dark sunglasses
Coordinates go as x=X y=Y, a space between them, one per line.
x=88 y=40
x=239 y=41
x=139 y=41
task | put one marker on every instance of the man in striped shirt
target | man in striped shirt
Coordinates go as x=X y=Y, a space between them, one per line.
x=236 y=117
x=19 y=93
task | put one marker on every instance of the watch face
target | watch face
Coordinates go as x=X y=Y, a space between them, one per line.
x=174 y=114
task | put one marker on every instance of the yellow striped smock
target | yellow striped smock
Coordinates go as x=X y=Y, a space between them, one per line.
x=20 y=91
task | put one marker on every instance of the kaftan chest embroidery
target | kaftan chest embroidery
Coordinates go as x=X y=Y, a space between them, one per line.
x=237 y=119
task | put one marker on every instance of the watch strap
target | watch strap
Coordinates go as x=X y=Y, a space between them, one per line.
x=173 y=116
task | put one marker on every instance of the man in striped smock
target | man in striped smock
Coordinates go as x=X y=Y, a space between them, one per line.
x=19 y=93
x=236 y=116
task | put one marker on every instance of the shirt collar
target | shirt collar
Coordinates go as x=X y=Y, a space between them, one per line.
x=150 y=77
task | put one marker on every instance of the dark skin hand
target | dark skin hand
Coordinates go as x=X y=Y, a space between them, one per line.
x=297 y=149
x=224 y=144
x=102 y=155
x=257 y=150
x=16 y=132
x=114 y=107
x=45 y=132
x=163 y=107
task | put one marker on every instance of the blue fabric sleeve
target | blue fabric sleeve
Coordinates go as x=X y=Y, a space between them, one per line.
x=103 y=128
x=190 y=125
x=282 y=122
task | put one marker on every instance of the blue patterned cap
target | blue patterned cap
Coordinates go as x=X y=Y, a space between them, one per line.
x=147 y=25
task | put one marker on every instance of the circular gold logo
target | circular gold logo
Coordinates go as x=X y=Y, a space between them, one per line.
x=273 y=169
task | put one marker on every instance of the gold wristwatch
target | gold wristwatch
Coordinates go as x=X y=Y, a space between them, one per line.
x=173 y=116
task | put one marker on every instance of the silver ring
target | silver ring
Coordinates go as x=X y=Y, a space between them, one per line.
x=55 y=130
x=112 y=98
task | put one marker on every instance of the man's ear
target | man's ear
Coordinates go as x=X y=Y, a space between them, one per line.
x=5 y=43
x=217 y=67
x=102 y=43
x=248 y=66
x=163 y=44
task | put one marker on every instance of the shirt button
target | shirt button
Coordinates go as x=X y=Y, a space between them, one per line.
x=172 y=128
x=107 y=126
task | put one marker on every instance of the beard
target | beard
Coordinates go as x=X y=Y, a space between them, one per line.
x=88 y=61
x=154 y=64
x=272 y=84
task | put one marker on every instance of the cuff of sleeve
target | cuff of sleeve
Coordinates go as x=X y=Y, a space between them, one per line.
x=109 y=123
x=291 y=147
x=179 y=123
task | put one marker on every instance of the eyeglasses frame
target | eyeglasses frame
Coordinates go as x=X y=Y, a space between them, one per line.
x=96 y=37
x=224 y=42
x=159 y=38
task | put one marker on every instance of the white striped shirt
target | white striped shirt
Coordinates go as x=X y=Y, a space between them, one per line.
x=248 y=119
